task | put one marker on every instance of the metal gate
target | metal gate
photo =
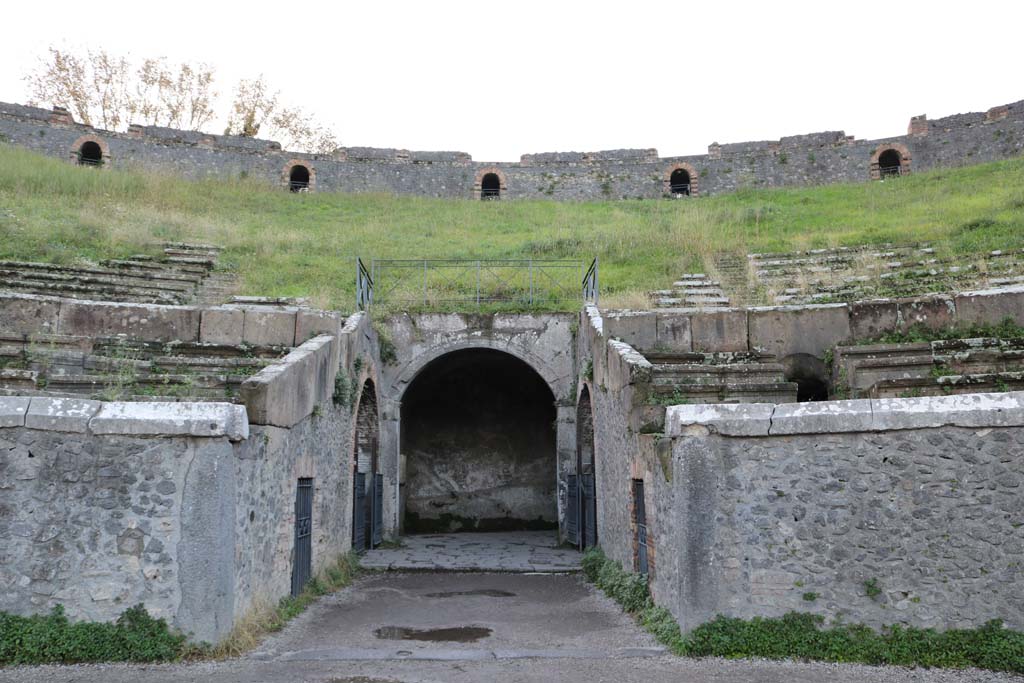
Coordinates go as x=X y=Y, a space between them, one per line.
x=302 y=568
x=640 y=518
x=376 y=534
x=588 y=510
x=572 y=509
x=359 y=514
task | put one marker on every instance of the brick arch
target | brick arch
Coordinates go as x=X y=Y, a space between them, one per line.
x=77 y=145
x=479 y=180
x=286 y=173
x=904 y=153
x=681 y=166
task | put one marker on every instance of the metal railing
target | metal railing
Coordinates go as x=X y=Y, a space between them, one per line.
x=589 y=284
x=89 y=161
x=364 y=286
x=887 y=171
x=680 y=189
x=298 y=185
x=441 y=282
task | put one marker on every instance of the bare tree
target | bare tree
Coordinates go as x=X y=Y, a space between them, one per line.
x=107 y=91
x=257 y=109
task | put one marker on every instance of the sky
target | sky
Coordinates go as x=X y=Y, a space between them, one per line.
x=499 y=80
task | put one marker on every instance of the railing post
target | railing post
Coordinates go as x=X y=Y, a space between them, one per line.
x=478 y=283
x=424 y=282
x=531 y=282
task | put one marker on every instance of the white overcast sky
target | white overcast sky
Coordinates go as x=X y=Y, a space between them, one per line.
x=500 y=79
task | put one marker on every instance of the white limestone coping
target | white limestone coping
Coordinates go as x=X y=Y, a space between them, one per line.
x=862 y=415
x=151 y=418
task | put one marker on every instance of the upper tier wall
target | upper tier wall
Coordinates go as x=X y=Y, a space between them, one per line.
x=813 y=159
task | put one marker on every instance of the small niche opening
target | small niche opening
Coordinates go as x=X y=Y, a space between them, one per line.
x=90 y=154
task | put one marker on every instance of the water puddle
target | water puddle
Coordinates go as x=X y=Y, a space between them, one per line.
x=454 y=634
x=484 y=592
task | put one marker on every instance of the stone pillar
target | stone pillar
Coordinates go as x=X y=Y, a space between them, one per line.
x=390 y=466
x=918 y=126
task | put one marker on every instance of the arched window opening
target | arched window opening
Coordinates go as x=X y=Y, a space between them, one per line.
x=586 y=475
x=90 y=154
x=478 y=442
x=490 y=186
x=368 y=495
x=890 y=163
x=679 y=183
x=298 y=178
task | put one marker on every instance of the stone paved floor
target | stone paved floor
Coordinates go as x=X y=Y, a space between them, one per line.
x=511 y=551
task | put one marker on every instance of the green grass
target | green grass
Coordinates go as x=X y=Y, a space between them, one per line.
x=803 y=636
x=285 y=244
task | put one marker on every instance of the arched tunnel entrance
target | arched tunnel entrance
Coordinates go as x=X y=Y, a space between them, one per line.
x=478 y=440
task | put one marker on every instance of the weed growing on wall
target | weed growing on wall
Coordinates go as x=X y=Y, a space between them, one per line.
x=805 y=637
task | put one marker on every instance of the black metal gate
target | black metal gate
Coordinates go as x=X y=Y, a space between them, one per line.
x=640 y=518
x=359 y=514
x=302 y=567
x=572 y=509
x=376 y=534
x=588 y=510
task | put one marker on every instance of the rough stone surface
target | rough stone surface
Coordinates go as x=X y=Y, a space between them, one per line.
x=61 y=414
x=269 y=326
x=811 y=159
x=146 y=322
x=513 y=551
x=990 y=307
x=22 y=314
x=13 y=410
x=171 y=419
x=284 y=393
x=790 y=330
x=718 y=331
x=222 y=325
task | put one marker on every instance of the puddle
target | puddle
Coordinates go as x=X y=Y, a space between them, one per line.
x=455 y=634
x=484 y=592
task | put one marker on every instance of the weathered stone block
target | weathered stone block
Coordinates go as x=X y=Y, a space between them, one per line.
x=60 y=414
x=788 y=330
x=283 y=394
x=26 y=314
x=674 y=332
x=145 y=322
x=870 y=319
x=269 y=326
x=990 y=306
x=719 y=331
x=822 y=417
x=934 y=312
x=159 y=418
x=963 y=410
x=639 y=329
x=310 y=323
x=222 y=325
x=729 y=419
x=12 y=410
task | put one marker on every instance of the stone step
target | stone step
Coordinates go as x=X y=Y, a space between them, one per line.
x=140 y=284
x=688 y=374
x=949 y=384
x=729 y=392
x=720 y=358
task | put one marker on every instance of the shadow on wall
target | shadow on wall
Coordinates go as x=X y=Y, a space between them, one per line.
x=478 y=437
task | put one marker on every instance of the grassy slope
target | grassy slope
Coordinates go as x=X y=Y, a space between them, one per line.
x=285 y=244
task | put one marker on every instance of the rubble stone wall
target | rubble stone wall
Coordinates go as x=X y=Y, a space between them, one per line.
x=813 y=159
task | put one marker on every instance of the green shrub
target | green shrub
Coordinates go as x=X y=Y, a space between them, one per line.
x=804 y=636
x=41 y=639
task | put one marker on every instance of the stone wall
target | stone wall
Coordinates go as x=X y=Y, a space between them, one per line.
x=876 y=511
x=188 y=508
x=813 y=159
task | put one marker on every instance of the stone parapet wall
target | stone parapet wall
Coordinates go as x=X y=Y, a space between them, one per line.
x=812 y=159
x=876 y=511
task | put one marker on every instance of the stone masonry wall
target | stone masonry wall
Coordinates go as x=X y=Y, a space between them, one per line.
x=804 y=506
x=814 y=159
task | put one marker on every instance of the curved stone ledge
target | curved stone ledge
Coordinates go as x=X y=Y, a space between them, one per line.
x=862 y=415
x=156 y=418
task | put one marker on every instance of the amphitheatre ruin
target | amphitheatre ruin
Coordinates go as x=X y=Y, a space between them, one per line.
x=790 y=425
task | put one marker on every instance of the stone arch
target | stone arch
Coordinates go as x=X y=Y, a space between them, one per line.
x=676 y=170
x=586 y=471
x=489 y=173
x=478 y=435
x=405 y=376
x=299 y=176
x=90 y=150
x=881 y=166
x=365 y=462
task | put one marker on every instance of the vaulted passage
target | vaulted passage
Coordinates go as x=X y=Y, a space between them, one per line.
x=90 y=154
x=298 y=178
x=478 y=441
x=889 y=163
x=490 y=186
x=679 y=183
